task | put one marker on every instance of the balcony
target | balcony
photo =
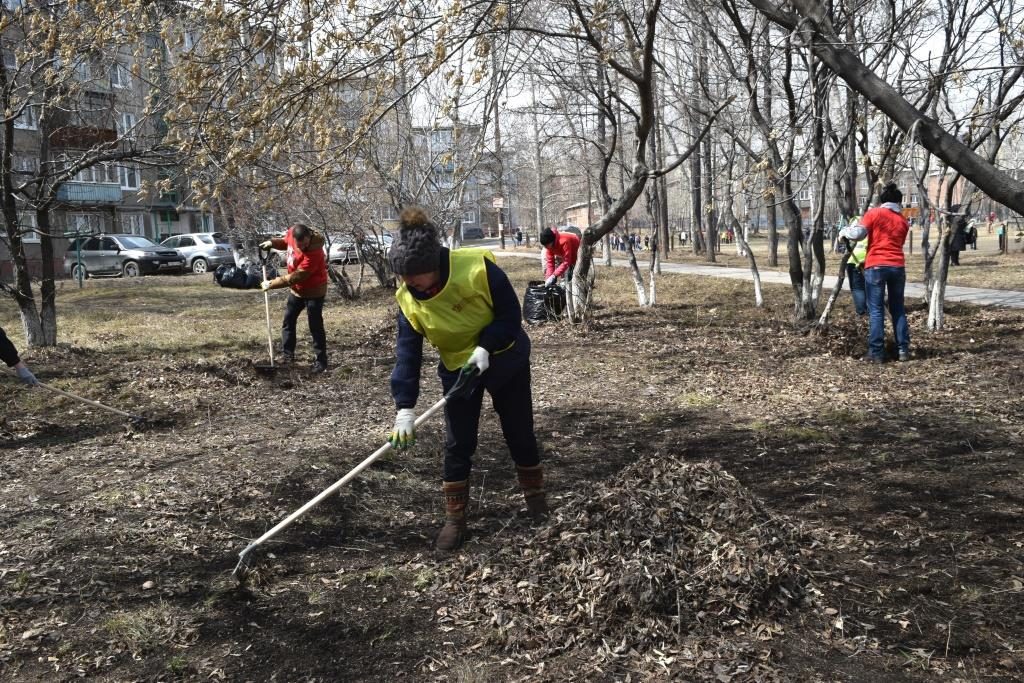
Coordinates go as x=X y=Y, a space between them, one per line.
x=82 y=136
x=89 y=193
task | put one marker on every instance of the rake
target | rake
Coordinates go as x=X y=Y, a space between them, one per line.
x=462 y=386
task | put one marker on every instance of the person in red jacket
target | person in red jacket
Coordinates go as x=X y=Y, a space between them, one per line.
x=560 y=257
x=884 y=271
x=307 y=280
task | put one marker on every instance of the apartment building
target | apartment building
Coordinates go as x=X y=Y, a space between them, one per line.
x=101 y=113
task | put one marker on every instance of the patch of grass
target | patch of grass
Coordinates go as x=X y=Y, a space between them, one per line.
x=178 y=664
x=799 y=433
x=379 y=576
x=423 y=578
x=151 y=627
x=693 y=399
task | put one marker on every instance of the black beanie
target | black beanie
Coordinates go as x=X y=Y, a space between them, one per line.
x=891 y=194
x=417 y=249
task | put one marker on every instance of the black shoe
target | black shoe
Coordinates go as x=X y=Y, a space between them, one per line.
x=904 y=356
x=318 y=368
x=868 y=358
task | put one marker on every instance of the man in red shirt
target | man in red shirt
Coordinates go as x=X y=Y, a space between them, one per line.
x=884 y=271
x=560 y=257
x=307 y=280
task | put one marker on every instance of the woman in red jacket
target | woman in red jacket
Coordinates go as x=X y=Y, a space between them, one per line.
x=560 y=257
x=884 y=272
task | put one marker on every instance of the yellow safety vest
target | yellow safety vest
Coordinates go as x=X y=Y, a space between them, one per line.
x=452 y=319
x=860 y=252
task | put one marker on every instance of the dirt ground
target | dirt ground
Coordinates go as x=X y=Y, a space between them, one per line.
x=118 y=542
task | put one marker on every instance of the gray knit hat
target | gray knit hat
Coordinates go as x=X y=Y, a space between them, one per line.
x=417 y=249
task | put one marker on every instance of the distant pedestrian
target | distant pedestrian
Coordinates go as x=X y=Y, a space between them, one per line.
x=972 y=235
x=9 y=355
x=885 y=272
x=1001 y=234
x=958 y=238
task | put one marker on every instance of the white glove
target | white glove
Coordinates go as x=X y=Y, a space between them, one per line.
x=25 y=375
x=266 y=246
x=265 y=285
x=403 y=434
x=550 y=281
x=480 y=358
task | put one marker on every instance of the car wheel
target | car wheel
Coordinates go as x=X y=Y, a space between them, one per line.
x=131 y=269
x=79 y=272
x=199 y=266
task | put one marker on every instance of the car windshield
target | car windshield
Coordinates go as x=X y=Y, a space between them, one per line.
x=135 y=243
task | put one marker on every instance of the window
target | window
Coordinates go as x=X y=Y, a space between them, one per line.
x=913 y=199
x=129 y=178
x=25 y=164
x=190 y=40
x=126 y=126
x=83 y=70
x=133 y=224
x=28 y=119
x=186 y=242
x=388 y=213
x=120 y=77
x=85 y=223
x=27 y=222
x=804 y=194
x=469 y=216
x=171 y=242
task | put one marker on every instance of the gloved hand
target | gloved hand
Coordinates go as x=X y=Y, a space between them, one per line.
x=25 y=375
x=403 y=434
x=266 y=246
x=480 y=359
x=265 y=285
x=550 y=281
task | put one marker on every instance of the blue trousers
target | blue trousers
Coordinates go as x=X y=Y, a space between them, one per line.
x=857 y=289
x=879 y=281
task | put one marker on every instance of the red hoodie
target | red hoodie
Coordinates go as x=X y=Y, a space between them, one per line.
x=887 y=231
x=566 y=247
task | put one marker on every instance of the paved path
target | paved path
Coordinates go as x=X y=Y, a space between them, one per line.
x=971 y=295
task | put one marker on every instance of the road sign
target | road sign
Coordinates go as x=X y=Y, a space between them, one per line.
x=498 y=203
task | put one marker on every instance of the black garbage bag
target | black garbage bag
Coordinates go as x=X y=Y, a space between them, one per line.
x=248 y=277
x=542 y=303
x=232 y=277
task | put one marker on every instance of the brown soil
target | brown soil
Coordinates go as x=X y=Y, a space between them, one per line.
x=903 y=481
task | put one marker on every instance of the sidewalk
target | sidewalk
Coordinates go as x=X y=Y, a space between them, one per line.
x=971 y=295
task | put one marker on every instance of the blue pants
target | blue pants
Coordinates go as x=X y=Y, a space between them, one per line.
x=879 y=280
x=507 y=380
x=856 y=277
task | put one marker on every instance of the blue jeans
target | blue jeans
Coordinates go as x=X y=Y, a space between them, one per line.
x=877 y=281
x=856 y=277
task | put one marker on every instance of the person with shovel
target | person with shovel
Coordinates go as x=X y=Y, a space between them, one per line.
x=307 y=280
x=9 y=355
x=464 y=305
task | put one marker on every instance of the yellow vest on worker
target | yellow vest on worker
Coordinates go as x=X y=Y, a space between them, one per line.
x=860 y=252
x=452 y=319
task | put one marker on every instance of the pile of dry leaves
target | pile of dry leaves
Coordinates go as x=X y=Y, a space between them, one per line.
x=655 y=565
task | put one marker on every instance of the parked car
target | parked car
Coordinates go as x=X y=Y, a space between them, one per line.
x=472 y=233
x=343 y=249
x=202 y=251
x=127 y=255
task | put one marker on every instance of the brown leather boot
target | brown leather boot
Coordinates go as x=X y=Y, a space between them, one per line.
x=531 y=481
x=456 y=497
